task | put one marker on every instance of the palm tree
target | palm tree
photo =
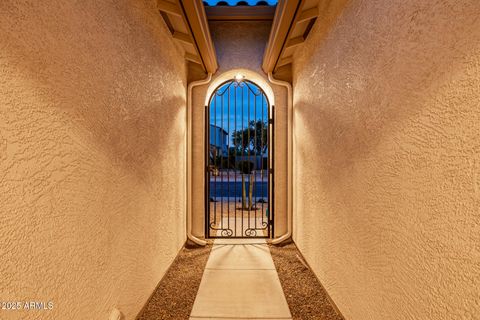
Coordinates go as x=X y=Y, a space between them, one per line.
x=252 y=139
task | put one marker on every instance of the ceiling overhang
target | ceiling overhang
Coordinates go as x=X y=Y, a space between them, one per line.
x=291 y=25
x=240 y=13
x=187 y=22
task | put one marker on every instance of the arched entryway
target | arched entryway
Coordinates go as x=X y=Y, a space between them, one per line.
x=239 y=172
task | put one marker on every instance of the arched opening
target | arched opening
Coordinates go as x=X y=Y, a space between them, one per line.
x=239 y=171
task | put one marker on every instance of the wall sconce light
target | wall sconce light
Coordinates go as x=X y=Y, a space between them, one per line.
x=239 y=77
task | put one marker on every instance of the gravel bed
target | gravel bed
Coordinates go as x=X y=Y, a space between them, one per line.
x=305 y=295
x=176 y=292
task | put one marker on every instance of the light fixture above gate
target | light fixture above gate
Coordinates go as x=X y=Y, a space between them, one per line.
x=239 y=77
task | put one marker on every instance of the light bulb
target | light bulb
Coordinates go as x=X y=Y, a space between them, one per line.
x=239 y=77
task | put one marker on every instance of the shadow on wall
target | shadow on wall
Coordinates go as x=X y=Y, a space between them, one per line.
x=244 y=51
x=329 y=11
x=92 y=109
x=363 y=110
x=113 y=111
x=386 y=136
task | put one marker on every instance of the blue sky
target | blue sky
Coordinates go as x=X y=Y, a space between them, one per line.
x=234 y=2
x=242 y=109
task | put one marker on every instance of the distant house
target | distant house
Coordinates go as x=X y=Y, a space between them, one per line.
x=218 y=141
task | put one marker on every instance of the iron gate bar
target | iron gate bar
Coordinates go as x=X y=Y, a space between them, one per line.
x=234 y=172
x=228 y=160
x=248 y=154
x=270 y=172
x=207 y=174
x=215 y=161
x=241 y=174
x=268 y=168
x=254 y=145
x=261 y=148
x=242 y=154
x=220 y=163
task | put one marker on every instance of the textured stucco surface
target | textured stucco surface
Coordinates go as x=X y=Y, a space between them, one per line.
x=239 y=45
x=92 y=155
x=387 y=169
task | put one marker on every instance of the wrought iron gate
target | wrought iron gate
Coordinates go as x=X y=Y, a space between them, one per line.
x=239 y=163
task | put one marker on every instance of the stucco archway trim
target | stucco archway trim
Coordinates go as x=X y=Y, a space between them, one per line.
x=253 y=76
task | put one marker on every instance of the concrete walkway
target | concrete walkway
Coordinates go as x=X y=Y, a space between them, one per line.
x=240 y=282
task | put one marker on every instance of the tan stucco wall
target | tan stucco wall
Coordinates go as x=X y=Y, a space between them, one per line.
x=92 y=155
x=239 y=45
x=387 y=123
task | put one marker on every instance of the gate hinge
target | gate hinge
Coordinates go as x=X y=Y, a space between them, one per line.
x=270 y=170
x=270 y=121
